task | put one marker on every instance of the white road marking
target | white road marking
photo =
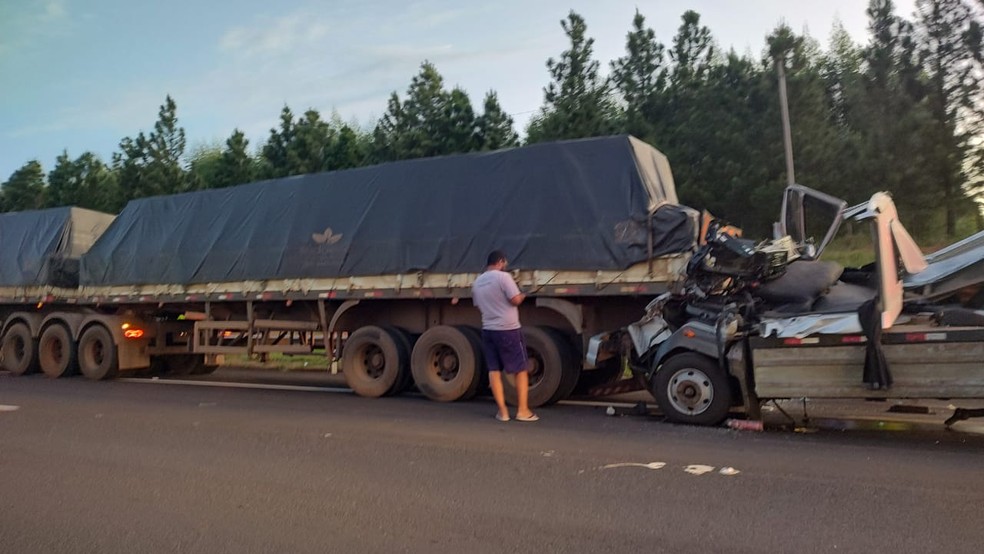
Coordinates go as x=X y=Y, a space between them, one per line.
x=8 y=408
x=698 y=469
x=223 y=384
x=650 y=465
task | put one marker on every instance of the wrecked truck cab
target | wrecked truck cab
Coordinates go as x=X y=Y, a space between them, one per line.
x=770 y=324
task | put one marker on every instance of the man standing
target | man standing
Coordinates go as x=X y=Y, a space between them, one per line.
x=497 y=297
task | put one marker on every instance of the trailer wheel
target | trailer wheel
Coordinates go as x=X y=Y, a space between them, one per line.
x=405 y=379
x=553 y=372
x=57 y=354
x=689 y=388
x=97 y=354
x=186 y=364
x=446 y=364
x=475 y=336
x=481 y=372
x=19 y=350
x=371 y=361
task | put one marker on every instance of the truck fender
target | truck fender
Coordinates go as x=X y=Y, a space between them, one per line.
x=694 y=336
x=32 y=320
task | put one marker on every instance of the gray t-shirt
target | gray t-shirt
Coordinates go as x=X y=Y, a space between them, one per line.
x=491 y=293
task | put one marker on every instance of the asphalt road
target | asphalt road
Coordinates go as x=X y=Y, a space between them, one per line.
x=148 y=467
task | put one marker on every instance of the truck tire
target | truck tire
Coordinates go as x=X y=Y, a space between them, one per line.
x=371 y=361
x=475 y=336
x=57 y=353
x=606 y=373
x=19 y=350
x=690 y=388
x=446 y=364
x=97 y=354
x=553 y=371
x=405 y=379
x=183 y=364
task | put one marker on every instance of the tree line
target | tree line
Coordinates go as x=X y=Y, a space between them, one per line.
x=903 y=113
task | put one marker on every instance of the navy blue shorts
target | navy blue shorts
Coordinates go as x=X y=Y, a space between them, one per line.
x=504 y=350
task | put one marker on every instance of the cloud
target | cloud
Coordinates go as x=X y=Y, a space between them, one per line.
x=272 y=37
x=54 y=9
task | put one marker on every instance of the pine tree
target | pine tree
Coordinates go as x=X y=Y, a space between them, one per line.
x=461 y=134
x=495 y=126
x=24 y=190
x=99 y=187
x=389 y=132
x=692 y=52
x=840 y=70
x=274 y=152
x=235 y=165
x=577 y=101
x=430 y=122
x=890 y=119
x=307 y=149
x=950 y=50
x=640 y=78
x=165 y=148
x=204 y=171
x=349 y=148
x=64 y=182
x=130 y=165
x=686 y=127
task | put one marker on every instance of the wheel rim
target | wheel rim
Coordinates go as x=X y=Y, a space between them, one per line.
x=690 y=391
x=445 y=362
x=373 y=361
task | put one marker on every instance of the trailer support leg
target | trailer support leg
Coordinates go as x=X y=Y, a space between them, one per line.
x=783 y=412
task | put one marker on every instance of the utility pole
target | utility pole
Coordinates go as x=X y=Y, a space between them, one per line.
x=787 y=137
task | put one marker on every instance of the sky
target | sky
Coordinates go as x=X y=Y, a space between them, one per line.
x=80 y=75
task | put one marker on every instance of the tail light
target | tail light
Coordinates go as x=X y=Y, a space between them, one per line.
x=132 y=332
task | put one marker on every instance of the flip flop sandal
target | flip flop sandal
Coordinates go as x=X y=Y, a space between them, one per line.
x=500 y=418
x=531 y=417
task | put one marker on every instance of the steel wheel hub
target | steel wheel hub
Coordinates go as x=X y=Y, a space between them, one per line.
x=690 y=391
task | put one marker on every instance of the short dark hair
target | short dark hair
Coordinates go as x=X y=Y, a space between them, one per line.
x=496 y=256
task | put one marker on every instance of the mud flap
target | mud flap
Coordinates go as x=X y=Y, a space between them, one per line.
x=877 y=375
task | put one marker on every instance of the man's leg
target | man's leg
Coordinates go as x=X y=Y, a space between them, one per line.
x=522 y=394
x=495 y=383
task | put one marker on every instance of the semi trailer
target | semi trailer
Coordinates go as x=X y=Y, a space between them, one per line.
x=372 y=266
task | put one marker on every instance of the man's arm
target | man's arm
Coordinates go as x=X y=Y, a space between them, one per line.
x=511 y=290
x=518 y=299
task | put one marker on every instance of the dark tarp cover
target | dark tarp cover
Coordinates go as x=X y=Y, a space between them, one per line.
x=42 y=247
x=573 y=205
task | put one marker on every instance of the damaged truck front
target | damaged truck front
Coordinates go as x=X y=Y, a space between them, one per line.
x=761 y=321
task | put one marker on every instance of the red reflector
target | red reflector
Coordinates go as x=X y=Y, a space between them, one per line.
x=915 y=337
x=853 y=339
x=133 y=333
x=792 y=342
